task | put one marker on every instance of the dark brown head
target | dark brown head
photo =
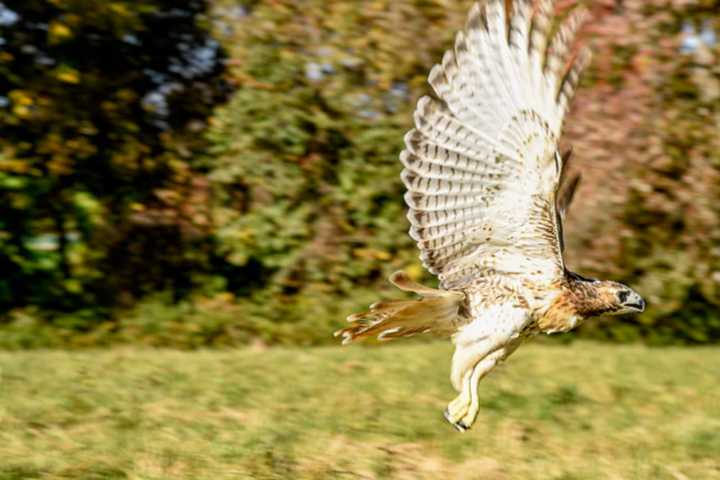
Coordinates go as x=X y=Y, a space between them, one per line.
x=603 y=297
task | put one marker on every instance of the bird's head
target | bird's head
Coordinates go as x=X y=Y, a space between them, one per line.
x=604 y=297
x=620 y=299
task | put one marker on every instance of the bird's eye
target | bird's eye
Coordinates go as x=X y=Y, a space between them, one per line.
x=622 y=296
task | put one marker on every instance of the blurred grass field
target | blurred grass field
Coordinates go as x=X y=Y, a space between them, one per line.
x=580 y=412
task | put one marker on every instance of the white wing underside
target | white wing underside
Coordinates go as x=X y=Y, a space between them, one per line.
x=481 y=165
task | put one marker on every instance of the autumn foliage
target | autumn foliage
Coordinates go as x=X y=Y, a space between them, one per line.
x=272 y=217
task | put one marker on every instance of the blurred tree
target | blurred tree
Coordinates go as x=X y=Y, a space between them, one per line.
x=296 y=204
x=306 y=172
x=101 y=103
x=645 y=132
x=304 y=164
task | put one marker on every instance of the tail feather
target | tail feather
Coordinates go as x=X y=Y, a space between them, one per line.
x=436 y=311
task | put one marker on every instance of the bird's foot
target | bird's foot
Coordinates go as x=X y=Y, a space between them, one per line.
x=456 y=411
x=470 y=416
x=459 y=425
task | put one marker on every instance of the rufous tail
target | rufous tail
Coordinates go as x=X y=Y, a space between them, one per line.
x=436 y=311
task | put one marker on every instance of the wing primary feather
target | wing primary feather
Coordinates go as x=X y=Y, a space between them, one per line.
x=567 y=193
x=485 y=186
x=570 y=80
x=519 y=13
x=477 y=18
x=539 y=29
x=436 y=122
x=559 y=48
x=448 y=165
x=564 y=165
x=519 y=30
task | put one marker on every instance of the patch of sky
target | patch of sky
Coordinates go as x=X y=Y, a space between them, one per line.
x=708 y=34
x=156 y=103
x=49 y=242
x=362 y=102
x=313 y=71
x=7 y=17
x=398 y=94
x=156 y=77
x=369 y=114
x=196 y=60
x=317 y=70
x=400 y=90
x=131 y=39
x=694 y=39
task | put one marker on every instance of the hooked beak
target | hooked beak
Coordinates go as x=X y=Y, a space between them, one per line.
x=634 y=302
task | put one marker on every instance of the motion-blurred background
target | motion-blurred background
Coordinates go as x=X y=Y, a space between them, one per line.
x=220 y=172
x=224 y=173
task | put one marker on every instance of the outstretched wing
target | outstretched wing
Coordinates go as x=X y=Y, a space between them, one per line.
x=481 y=166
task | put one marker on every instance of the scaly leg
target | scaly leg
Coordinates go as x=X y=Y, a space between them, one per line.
x=478 y=373
x=457 y=408
x=479 y=346
x=465 y=359
x=481 y=369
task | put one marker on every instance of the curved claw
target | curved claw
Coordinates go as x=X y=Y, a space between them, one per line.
x=459 y=425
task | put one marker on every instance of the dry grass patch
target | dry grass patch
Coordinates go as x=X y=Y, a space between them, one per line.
x=580 y=412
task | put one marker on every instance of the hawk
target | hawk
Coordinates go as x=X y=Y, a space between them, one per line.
x=487 y=191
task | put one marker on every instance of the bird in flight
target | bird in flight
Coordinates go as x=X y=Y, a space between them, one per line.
x=488 y=191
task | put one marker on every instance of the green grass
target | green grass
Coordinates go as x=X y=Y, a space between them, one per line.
x=580 y=412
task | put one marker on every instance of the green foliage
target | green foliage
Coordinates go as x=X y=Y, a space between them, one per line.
x=669 y=225
x=305 y=158
x=132 y=222
x=97 y=137
x=304 y=162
